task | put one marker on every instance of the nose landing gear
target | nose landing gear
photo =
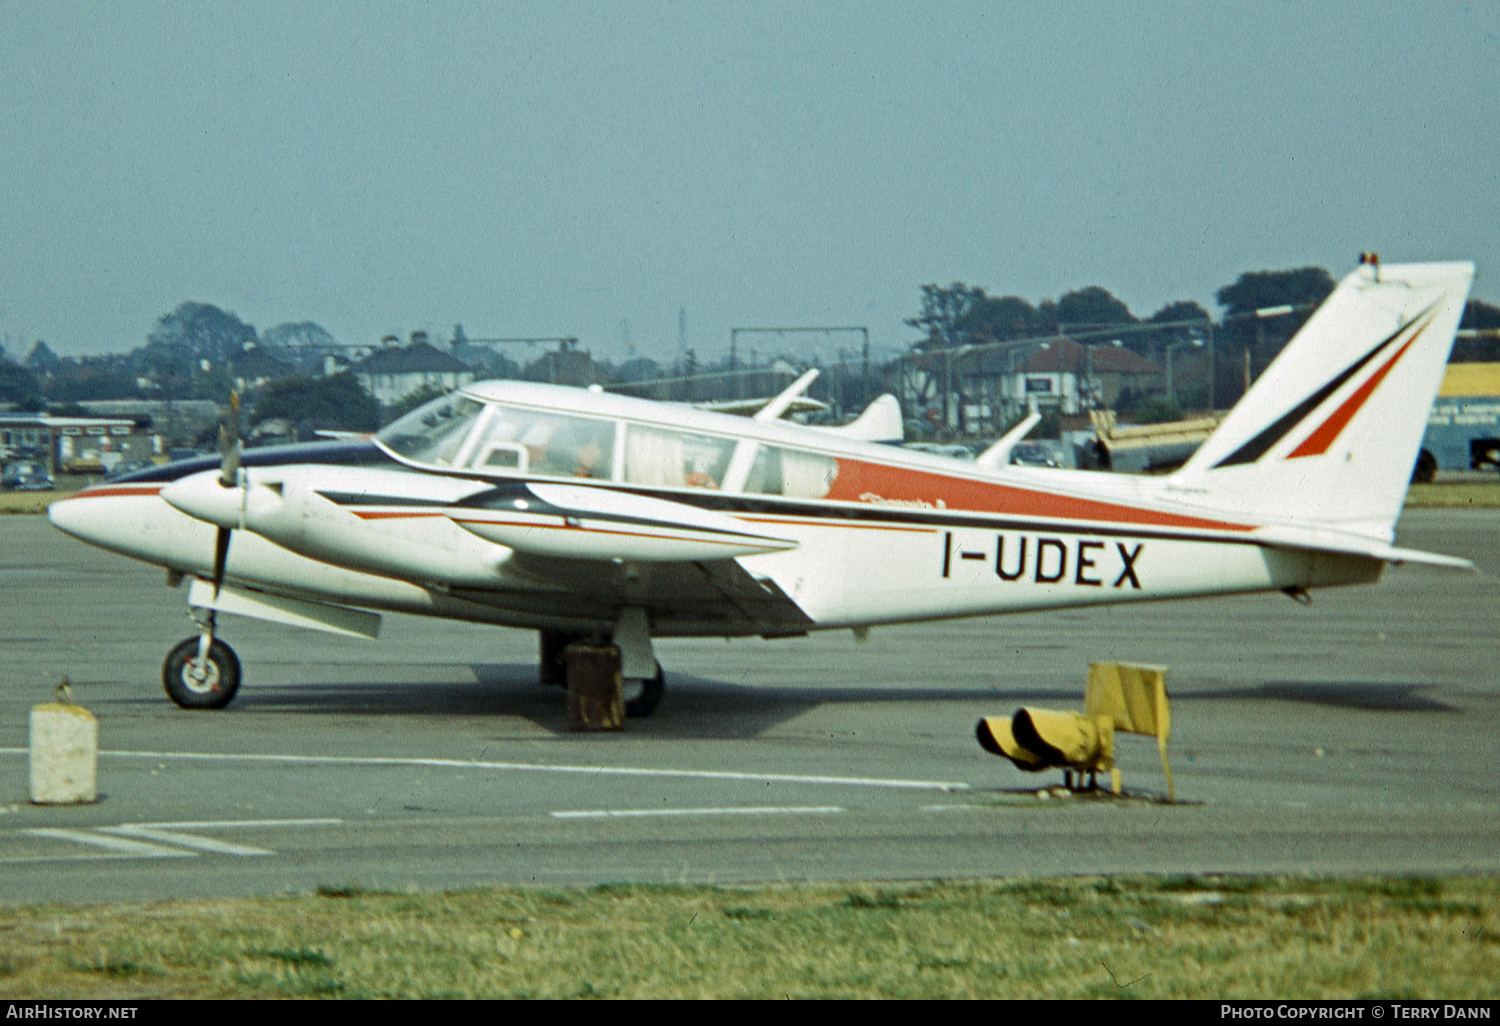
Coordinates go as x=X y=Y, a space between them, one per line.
x=201 y=672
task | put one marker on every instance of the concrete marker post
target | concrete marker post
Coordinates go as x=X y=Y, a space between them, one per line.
x=64 y=755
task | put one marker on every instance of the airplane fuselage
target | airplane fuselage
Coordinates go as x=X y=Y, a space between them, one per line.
x=738 y=527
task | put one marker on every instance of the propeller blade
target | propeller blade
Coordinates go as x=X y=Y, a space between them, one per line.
x=229 y=477
x=229 y=444
x=221 y=557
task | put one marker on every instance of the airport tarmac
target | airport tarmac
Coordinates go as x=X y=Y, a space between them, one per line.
x=1355 y=735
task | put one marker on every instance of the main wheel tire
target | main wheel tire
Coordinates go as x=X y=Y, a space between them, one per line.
x=552 y=669
x=218 y=685
x=642 y=694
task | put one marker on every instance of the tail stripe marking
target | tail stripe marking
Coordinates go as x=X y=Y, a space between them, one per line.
x=1257 y=446
x=1317 y=443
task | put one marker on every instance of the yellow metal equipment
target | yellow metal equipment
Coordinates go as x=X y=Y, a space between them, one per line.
x=1120 y=696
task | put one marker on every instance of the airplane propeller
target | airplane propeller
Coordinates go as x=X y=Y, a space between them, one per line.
x=229 y=477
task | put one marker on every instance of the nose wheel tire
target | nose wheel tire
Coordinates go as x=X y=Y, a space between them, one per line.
x=641 y=694
x=210 y=686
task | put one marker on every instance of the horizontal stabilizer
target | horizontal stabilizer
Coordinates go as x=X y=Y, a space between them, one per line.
x=1316 y=539
x=881 y=422
x=998 y=455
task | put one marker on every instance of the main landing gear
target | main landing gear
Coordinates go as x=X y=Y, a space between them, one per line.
x=640 y=694
x=202 y=672
x=643 y=694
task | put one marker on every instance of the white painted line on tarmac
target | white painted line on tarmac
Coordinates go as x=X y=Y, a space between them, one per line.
x=224 y=824
x=754 y=810
x=185 y=840
x=159 y=840
x=121 y=846
x=532 y=767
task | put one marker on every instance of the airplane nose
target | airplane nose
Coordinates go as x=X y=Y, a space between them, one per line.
x=68 y=516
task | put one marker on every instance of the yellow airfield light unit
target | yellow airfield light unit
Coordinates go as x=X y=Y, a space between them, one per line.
x=1120 y=697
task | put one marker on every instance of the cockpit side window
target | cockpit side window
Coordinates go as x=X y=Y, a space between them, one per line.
x=461 y=433
x=539 y=442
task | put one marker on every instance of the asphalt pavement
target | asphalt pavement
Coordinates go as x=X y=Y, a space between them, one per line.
x=1355 y=735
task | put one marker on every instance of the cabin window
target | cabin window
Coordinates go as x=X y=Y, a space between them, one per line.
x=797 y=475
x=664 y=458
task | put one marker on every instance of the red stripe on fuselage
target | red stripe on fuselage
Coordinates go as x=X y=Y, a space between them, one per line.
x=114 y=492
x=382 y=514
x=880 y=485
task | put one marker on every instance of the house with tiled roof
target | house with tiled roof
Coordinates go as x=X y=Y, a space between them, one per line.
x=1072 y=377
x=392 y=374
x=254 y=367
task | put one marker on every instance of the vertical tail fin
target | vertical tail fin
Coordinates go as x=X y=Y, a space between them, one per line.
x=1330 y=432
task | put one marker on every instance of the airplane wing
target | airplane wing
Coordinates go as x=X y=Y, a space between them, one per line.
x=720 y=592
x=587 y=551
x=573 y=522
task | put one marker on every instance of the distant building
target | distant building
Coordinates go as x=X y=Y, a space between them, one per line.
x=390 y=375
x=179 y=421
x=1463 y=429
x=80 y=445
x=1073 y=378
x=254 y=367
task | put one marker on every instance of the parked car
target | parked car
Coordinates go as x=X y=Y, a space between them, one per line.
x=128 y=467
x=26 y=476
x=1030 y=454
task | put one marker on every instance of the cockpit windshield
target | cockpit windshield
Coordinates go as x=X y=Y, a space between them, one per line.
x=433 y=433
x=496 y=439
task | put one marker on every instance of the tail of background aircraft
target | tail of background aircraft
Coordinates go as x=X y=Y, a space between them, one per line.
x=1328 y=435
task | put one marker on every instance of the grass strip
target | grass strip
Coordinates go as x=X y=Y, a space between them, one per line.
x=1455 y=495
x=1135 y=937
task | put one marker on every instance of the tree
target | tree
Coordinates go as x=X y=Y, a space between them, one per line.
x=416 y=397
x=1182 y=310
x=1257 y=290
x=1183 y=321
x=1001 y=319
x=200 y=331
x=335 y=403
x=942 y=315
x=41 y=359
x=18 y=387
x=1090 y=307
x=1247 y=340
x=186 y=344
x=303 y=345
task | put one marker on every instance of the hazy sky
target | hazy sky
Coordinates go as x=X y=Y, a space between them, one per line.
x=571 y=168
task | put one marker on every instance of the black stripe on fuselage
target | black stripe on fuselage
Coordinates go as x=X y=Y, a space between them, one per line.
x=515 y=497
x=342 y=453
x=503 y=497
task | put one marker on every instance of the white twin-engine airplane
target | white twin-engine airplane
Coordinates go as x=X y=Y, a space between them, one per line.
x=588 y=516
